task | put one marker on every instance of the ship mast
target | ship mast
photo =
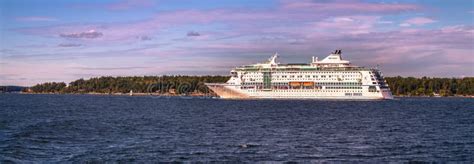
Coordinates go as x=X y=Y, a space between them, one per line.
x=272 y=60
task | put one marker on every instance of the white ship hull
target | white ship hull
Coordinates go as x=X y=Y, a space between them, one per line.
x=233 y=92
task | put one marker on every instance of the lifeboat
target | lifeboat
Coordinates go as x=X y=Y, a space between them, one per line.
x=295 y=84
x=308 y=84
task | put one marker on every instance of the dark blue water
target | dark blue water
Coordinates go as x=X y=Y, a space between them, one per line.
x=57 y=128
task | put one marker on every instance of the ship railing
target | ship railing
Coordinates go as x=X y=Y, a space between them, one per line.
x=305 y=69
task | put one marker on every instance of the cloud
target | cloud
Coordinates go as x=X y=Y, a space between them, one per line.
x=419 y=21
x=427 y=47
x=109 y=68
x=420 y=52
x=385 y=22
x=347 y=6
x=356 y=24
x=343 y=19
x=457 y=29
x=38 y=57
x=236 y=21
x=35 y=19
x=193 y=34
x=91 y=34
x=404 y=24
x=69 y=45
x=145 y=38
x=367 y=32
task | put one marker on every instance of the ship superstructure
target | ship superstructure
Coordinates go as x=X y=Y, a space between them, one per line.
x=329 y=78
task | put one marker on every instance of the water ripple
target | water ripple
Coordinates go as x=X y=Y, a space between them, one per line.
x=89 y=128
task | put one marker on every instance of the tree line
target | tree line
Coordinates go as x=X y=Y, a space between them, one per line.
x=425 y=86
x=400 y=86
x=137 y=84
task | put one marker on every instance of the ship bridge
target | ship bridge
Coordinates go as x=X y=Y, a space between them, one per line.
x=271 y=62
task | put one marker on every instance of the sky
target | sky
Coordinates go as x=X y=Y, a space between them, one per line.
x=64 y=40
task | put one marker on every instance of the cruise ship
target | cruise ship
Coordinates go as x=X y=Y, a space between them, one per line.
x=329 y=78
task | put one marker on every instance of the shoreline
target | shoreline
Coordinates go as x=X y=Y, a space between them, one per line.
x=202 y=95
x=123 y=94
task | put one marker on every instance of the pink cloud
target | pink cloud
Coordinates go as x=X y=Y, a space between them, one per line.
x=241 y=20
x=412 y=52
x=419 y=21
x=416 y=45
x=295 y=29
x=457 y=28
x=347 y=6
x=348 y=25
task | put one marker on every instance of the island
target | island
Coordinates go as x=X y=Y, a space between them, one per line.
x=194 y=86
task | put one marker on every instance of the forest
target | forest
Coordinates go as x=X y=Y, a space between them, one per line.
x=425 y=86
x=400 y=86
x=137 y=84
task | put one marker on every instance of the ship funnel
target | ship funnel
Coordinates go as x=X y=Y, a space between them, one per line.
x=337 y=52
